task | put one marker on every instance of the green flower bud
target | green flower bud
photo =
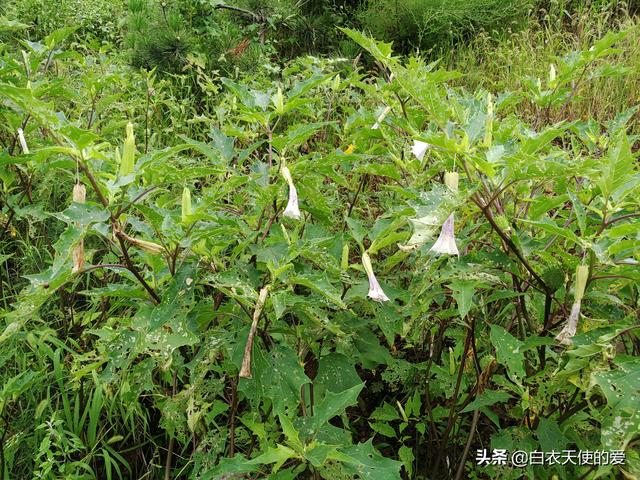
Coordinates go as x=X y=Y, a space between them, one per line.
x=128 y=153
x=186 y=204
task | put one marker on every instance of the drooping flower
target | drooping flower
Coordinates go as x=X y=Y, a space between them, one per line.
x=375 y=290
x=566 y=334
x=446 y=242
x=419 y=149
x=23 y=141
x=292 y=210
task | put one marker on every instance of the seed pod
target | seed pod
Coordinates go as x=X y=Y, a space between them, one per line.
x=186 y=204
x=128 y=153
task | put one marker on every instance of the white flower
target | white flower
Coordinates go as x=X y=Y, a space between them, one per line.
x=23 y=142
x=375 y=290
x=384 y=113
x=292 y=210
x=419 y=149
x=446 y=243
x=569 y=330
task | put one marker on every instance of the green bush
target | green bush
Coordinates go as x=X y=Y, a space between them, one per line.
x=427 y=24
x=97 y=18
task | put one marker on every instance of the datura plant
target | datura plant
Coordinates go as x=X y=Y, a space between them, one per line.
x=277 y=288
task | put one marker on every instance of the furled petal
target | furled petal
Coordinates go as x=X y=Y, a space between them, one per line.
x=375 y=290
x=571 y=327
x=23 y=142
x=446 y=243
x=419 y=149
x=292 y=210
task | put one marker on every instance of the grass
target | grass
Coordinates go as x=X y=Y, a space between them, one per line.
x=504 y=63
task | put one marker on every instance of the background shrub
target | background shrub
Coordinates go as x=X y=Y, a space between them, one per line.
x=434 y=23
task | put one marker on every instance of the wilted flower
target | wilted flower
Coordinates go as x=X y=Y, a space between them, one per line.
x=245 y=370
x=292 y=210
x=446 y=243
x=77 y=254
x=23 y=142
x=569 y=330
x=419 y=149
x=375 y=290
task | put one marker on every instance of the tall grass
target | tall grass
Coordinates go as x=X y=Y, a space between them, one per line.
x=504 y=62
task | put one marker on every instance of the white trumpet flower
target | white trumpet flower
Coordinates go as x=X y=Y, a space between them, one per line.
x=567 y=333
x=446 y=243
x=375 y=290
x=419 y=149
x=292 y=210
x=23 y=141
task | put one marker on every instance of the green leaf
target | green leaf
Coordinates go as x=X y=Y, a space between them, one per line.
x=379 y=50
x=319 y=283
x=336 y=373
x=383 y=429
x=486 y=399
x=550 y=436
x=508 y=352
x=463 y=293
x=364 y=461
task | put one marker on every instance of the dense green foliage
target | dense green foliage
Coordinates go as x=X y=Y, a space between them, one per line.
x=167 y=312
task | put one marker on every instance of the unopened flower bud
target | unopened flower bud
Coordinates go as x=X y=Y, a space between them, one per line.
x=186 y=204
x=128 y=153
